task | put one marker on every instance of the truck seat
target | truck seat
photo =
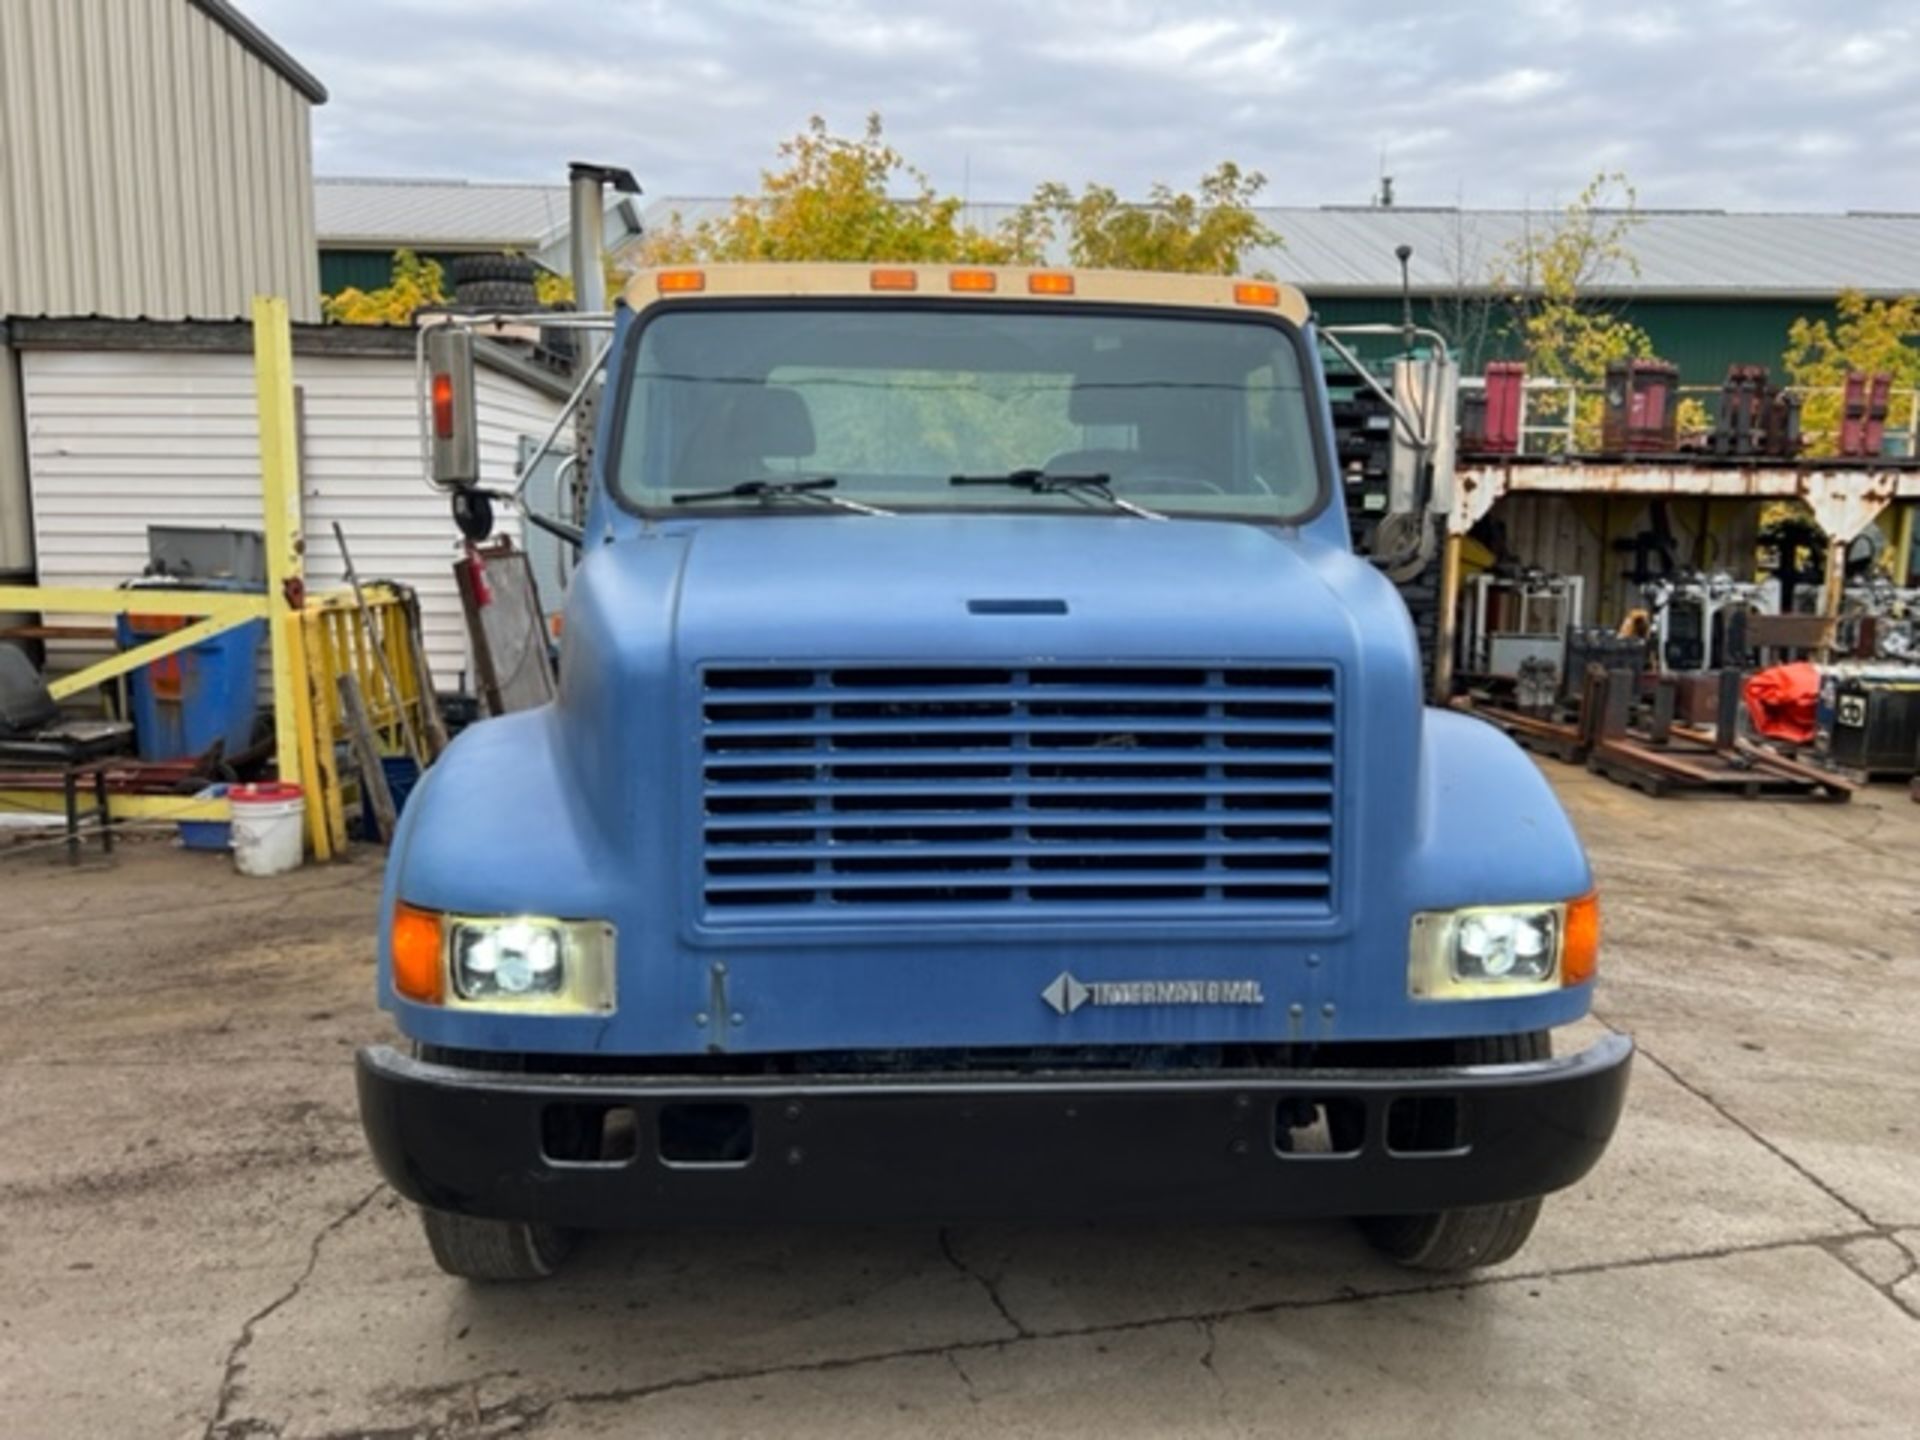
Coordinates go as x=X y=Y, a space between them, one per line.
x=756 y=424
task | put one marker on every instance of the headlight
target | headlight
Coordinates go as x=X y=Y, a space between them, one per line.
x=519 y=963
x=1492 y=950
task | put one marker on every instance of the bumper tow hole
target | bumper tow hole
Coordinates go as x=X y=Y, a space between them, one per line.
x=706 y=1134
x=1329 y=1125
x=590 y=1134
x=1427 y=1125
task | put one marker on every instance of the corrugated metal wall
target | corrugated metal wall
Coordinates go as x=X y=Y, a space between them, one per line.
x=149 y=165
x=122 y=439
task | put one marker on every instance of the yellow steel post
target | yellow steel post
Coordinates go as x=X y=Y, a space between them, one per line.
x=1903 y=542
x=312 y=782
x=280 y=499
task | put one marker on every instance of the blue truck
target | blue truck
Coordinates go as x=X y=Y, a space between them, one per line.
x=984 y=783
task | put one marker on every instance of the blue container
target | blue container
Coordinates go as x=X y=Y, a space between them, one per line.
x=207 y=834
x=403 y=773
x=185 y=703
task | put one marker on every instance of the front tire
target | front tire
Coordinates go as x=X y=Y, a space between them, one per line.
x=493 y=1250
x=1452 y=1241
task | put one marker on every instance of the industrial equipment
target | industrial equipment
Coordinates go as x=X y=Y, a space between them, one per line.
x=1641 y=407
x=1520 y=617
x=1698 y=620
x=1868 y=718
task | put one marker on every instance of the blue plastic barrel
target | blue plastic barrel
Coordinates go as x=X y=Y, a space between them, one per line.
x=185 y=703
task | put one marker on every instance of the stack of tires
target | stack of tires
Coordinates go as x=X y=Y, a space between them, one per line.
x=495 y=282
x=504 y=284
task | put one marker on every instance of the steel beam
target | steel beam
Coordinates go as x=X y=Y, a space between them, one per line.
x=280 y=500
x=146 y=653
x=1844 y=497
x=116 y=600
x=125 y=807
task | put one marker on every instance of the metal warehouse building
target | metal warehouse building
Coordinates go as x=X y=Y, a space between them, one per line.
x=1709 y=287
x=155 y=175
x=157 y=163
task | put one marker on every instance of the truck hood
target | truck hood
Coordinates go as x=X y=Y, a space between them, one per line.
x=648 y=612
x=997 y=586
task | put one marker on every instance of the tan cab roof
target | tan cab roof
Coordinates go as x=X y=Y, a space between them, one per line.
x=1128 y=287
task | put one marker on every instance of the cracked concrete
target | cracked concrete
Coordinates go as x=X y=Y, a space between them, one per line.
x=196 y=1247
x=991 y=1288
x=218 y=1424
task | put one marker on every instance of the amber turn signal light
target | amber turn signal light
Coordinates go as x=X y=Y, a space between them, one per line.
x=1580 y=954
x=415 y=943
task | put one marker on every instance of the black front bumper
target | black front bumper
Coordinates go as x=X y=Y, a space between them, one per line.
x=960 y=1148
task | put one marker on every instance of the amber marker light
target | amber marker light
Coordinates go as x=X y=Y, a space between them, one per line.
x=893 y=279
x=1256 y=292
x=1580 y=952
x=1049 y=282
x=681 y=282
x=415 y=943
x=974 y=281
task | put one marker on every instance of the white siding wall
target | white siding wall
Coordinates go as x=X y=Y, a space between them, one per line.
x=118 y=440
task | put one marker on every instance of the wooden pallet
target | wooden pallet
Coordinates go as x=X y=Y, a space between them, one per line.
x=1748 y=771
x=1666 y=757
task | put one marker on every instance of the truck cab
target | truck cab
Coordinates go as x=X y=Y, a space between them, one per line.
x=984 y=783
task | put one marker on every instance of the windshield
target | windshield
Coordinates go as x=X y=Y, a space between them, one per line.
x=1187 y=415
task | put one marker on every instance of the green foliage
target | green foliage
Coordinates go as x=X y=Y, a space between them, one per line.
x=1208 y=231
x=1871 y=336
x=415 y=283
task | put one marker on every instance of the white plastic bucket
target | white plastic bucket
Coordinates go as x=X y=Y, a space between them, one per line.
x=269 y=828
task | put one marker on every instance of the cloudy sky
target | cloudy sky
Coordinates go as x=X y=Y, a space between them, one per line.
x=1762 y=104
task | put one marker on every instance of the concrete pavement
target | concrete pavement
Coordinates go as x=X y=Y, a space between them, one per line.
x=195 y=1245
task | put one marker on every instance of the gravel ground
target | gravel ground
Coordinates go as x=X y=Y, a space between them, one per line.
x=196 y=1245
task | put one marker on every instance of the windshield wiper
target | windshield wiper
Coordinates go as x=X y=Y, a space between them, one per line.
x=811 y=489
x=1097 y=485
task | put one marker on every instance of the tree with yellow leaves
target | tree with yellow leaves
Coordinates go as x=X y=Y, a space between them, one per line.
x=1547 y=278
x=415 y=283
x=834 y=200
x=1868 y=336
x=858 y=199
x=1207 y=232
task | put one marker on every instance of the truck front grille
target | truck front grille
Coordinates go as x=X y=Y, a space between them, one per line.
x=975 y=790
